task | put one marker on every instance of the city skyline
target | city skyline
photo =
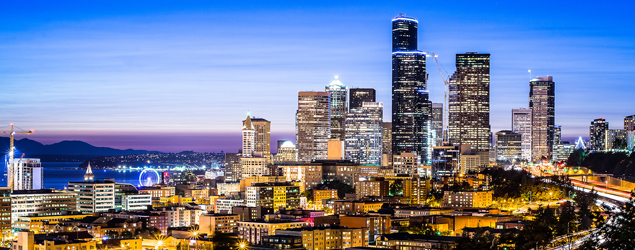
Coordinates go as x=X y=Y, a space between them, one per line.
x=113 y=78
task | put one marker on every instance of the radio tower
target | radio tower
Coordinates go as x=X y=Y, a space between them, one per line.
x=11 y=148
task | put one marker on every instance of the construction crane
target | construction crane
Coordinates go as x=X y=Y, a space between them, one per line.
x=11 y=148
x=445 y=94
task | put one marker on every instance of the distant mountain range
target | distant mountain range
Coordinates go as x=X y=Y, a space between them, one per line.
x=73 y=149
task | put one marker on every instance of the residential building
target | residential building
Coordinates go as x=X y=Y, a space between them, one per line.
x=226 y=205
x=26 y=241
x=360 y=95
x=405 y=163
x=616 y=139
x=410 y=98
x=228 y=188
x=467 y=199
x=508 y=146
x=629 y=123
x=376 y=224
x=597 y=132
x=352 y=207
x=542 y=102
x=273 y=195
x=378 y=187
x=338 y=106
x=6 y=207
x=249 y=213
x=468 y=102
x=313 y=125
x=254 y=231
x=94 y=196
x=521 y=124
x=180 y=216
x=331 y=237
x=341 y=170
x=42 y=202
x=157 y=192
x=416 y=242
x=363 y=142
x=224 y=223
x=323 y=194
x=27 y=174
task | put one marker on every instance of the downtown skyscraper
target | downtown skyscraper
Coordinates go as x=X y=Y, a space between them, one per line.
x=364 y=134
x=542 y=102
x=360 y=95
x=597 y=133
x=521 y=123
x=468 y=102
x=410 y=99
x=313 y=125
x=337 y=93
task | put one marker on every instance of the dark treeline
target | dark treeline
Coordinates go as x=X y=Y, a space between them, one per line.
x=617 y=163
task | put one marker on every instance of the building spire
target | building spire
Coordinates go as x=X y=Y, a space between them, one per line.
x=247 y=125
x=89 y=176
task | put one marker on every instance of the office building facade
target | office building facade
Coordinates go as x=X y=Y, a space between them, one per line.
x=262 y=136
x=313 y=125
x=95 y=196
x=360 y=95
x=363 y=143
x=468 y=102
x=508 y=146
x=437 y=123
x=410 y=99
x=337 y=93
x=521 y=124
x=542 y=102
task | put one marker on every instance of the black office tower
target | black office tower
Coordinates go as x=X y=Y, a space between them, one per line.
x=410 y=99
x=359 y=96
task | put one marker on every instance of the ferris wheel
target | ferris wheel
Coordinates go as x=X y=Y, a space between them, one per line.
x=149 y=177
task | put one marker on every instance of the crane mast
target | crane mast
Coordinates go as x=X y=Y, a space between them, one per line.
x=11 y=152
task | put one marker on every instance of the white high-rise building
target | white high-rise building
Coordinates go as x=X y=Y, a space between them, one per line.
x=364 y=133
x=27 y=174
x=249 y=137
x=521 y=124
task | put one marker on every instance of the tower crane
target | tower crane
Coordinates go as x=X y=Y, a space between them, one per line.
x=11 y=148
x=445 y=94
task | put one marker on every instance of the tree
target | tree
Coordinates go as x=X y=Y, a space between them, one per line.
x=308 y=194
x=126 y=235
x=567 y=220
x=619 y=231
x=396 y=188
x=425 y=229
x=112 y=234
x=540 y=231
x=481 y=240
x=342 y=188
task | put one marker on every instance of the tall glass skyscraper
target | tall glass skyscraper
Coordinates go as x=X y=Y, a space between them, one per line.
x=313 y=125
x=468 y=102
x=597 y=132
x=337 y=92
x=521 y=123
x=410 y=99
x=364 y=134
x=542 y=102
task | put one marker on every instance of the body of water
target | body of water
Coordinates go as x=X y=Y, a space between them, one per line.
x=58 y=174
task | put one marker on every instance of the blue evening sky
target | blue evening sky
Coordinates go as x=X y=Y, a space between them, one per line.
x=176 y=75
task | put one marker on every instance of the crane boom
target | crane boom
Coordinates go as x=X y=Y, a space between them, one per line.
x=11 y=152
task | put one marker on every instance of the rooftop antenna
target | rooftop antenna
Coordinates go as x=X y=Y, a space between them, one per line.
x=529 y=74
